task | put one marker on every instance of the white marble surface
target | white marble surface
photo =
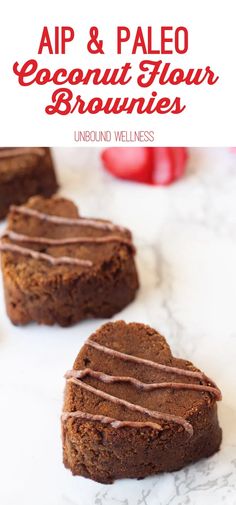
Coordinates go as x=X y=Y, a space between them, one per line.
x=186 y=240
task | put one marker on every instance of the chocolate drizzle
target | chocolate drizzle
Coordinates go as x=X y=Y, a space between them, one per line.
x=136 y=408
x=18 y=237
x=109 y=420
x=58 y=220
x=113 y=379
x=94 y=223
x=42 y=256
x=135 y=359
x=20 y=151
x=76 y=377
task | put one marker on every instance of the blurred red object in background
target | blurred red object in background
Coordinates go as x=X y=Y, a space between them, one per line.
x=169 y=164
x=150 y=165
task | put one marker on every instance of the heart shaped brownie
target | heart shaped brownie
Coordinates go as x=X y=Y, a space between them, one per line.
x=131 y=409
x=60 y=268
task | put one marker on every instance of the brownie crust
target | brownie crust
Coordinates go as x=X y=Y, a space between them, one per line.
x=36 y=290
x=25 y=172
x=114 y=441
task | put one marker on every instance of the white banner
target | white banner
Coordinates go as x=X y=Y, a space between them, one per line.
x=100 y=73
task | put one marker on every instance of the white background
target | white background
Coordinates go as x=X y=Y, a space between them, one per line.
x=186 y=256
x=209 y=118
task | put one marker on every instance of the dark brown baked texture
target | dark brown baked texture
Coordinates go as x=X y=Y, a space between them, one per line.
x=170 y=419
x=60 y=268
x=24 y=172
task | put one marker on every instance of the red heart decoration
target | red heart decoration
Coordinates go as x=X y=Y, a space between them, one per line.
x=150 y=165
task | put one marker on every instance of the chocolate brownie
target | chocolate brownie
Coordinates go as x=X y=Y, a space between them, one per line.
x=132 y=409
x=24 y=172
x=61 y=268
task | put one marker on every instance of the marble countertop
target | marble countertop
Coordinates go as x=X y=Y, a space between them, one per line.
x=186 y=240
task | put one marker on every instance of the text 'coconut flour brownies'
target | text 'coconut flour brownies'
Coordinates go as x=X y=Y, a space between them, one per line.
x=60 y=268
x=24 y=172
x=131 y=409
